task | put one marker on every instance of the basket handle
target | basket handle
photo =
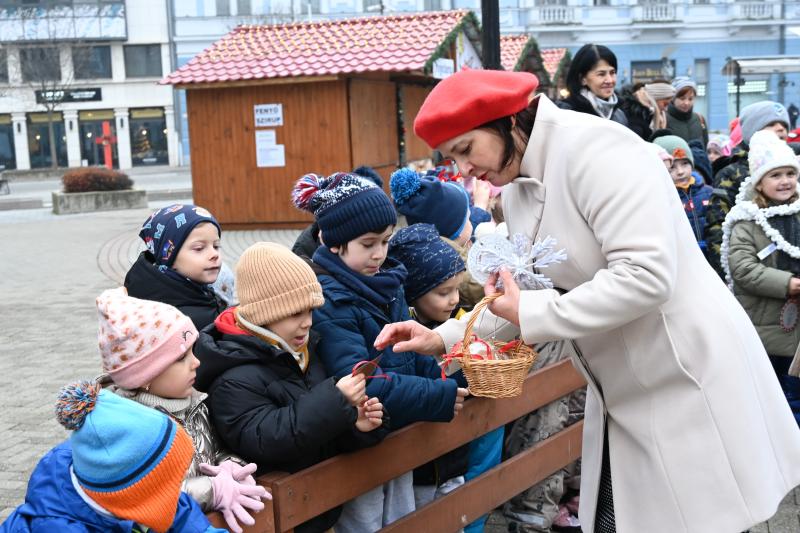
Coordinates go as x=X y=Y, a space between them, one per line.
x=476 y=311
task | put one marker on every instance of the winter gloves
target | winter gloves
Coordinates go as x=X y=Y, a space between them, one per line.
x=235 y=490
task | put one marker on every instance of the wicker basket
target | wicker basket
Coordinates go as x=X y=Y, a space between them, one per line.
x=494 y=378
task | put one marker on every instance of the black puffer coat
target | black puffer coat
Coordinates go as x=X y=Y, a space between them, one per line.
x=267 y=411
x=144 y=281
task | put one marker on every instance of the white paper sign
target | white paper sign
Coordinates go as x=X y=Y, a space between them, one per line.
x=268 y=115
x=269 y=154
x=443 y=67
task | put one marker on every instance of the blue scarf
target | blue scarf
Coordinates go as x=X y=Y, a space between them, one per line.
x=380 y=289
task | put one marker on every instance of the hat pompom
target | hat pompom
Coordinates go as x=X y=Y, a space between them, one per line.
x=75 y=401
x=404 y=183
x=305 y=189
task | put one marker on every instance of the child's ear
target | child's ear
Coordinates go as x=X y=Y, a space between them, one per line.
x=335 y=249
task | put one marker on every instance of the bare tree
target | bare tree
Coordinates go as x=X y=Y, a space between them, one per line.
x=48 y=65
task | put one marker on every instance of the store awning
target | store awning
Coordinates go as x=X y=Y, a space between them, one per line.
x=762 y=65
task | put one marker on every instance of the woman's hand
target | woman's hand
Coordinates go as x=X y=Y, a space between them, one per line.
x=410 y=336
x=506 y=306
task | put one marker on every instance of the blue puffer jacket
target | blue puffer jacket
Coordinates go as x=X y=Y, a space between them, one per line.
x=348 y=324
x=695 y=201
x=52 y=504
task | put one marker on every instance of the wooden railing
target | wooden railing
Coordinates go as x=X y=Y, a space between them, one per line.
x=300 y=496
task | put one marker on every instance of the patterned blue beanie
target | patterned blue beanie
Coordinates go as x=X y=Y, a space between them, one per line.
x=346 y=206
x=429 y=200
x=429 y=260
x=166 y=230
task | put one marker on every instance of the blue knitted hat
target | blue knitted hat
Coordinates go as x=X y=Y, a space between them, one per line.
x=429 y=260
x=128 y=458
x=346 y=206
x=429 y=200
x=166 y=230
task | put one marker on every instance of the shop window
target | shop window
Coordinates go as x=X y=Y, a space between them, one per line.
x=148 y=137
x=8 y=158
x=97 y=129
x=143 y=60
x=91 y=62
x=39 y=140
x=40 y=64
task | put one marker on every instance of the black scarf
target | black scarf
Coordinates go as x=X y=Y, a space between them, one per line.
x=380 y=289
x=684 y=116
x=789 y=228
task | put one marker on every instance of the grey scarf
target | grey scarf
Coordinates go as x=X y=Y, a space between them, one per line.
x=604 y=108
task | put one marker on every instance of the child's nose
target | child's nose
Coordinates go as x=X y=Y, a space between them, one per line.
x=195 y=362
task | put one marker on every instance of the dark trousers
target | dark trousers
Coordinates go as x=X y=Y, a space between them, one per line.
x=790 y=385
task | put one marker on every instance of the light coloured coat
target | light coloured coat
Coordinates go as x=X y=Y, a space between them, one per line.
x=761 y=287
x=701 y=438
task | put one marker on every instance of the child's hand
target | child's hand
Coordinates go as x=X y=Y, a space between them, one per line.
x=354 y=388
x=370 y=415
x=794 y=286
x=460 y=395
x=480 y=194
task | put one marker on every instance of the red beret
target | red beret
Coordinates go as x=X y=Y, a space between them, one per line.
x=470 y=98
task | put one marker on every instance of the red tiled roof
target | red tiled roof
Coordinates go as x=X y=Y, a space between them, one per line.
x=511 y=47
x=368 y=44
x=551 y=57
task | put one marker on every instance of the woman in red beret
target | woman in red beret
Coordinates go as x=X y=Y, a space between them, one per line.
x=684 y=419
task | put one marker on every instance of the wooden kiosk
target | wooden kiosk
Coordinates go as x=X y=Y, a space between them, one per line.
x=267 y=104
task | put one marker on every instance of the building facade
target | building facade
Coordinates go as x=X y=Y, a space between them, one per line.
x=651 y=38
x=91 y=69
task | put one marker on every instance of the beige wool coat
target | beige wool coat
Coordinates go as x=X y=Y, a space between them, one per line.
x=701 y=438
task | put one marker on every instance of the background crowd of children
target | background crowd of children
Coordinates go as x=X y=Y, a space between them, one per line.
x=202 y=388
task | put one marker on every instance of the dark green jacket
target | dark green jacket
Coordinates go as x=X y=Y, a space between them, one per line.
x=687 y=126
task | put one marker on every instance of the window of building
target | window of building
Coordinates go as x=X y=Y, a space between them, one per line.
x=148 y=137
x=701 y=78
x=433 y=5
x=91 y=62
x=8 y=158
x=602 y=2
x=223 y=8
x=40 y=64
x=3 y=66
x=142 y=60
x=39 y=140
x=551 y=2
x=243 y=7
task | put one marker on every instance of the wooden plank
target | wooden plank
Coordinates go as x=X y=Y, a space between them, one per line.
x=265 y=519
x=413 y=96
x=308 y=493
x=373 y=123
x=489 y=490
x=225 y=177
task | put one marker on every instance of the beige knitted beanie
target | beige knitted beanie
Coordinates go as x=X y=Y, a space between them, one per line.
x=273 y=283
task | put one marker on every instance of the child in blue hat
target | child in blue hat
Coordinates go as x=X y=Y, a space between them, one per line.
x=181 y=261
x=120 y=471
x=363 y=292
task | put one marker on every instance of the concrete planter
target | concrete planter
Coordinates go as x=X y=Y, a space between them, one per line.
x=84 y=202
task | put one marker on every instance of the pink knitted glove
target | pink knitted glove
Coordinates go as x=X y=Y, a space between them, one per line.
x=232 y=495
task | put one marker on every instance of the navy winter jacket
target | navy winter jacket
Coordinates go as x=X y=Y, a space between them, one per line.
x=348 y=325
x=52 y=504
x=695 y=201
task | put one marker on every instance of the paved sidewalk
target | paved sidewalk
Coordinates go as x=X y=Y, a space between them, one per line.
x=52 y=269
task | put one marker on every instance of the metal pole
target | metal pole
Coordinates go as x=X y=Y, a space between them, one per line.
x=490 y=38
x=738 y=86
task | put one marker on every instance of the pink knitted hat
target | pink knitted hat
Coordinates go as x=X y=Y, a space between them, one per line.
x=139 y=339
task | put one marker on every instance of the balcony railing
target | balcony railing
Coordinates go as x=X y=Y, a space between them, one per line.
x=553 y=15
x=655 y=13
x=754 y=10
